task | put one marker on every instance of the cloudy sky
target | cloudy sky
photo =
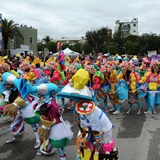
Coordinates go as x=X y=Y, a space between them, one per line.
x=73 y=18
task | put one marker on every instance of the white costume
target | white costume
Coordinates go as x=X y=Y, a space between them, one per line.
x=98 y=121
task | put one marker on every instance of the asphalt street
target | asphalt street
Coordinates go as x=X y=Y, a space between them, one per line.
x=136 y=136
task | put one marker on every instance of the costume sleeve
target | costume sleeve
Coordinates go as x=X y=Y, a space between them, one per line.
x=56 y=76
x=65 y=82
x=133 y=82
x=46 y=72
x=159 y=80
x=61 y=57
x=133 y=86
x=97 y=83
x=120 y=76
x=145 y=77
x=92 y=121
x=86 y=62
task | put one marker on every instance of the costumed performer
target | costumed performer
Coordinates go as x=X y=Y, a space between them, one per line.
x=70 y=71
x=61 y=56
x=105 y=83
x=98 y=92
x=113 y=95
x=55 y=132
x=4 y=67
x=56 y=77
x=153 y=92
x=131 y=77
x=28 y=72
x=91 y=70
x=21 y=110
x=90 y=119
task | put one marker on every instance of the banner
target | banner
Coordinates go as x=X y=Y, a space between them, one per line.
x=0 y=31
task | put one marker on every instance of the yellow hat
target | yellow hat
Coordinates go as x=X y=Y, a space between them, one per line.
x=77 y=89
x=80 y=78
x=5 y=57
x=113 y=76
x=47 y=123
x=1 y=60
x=19 y=102
x=36 y=61
x=27 y=59
x=30 y=76
x=17 y=55
x=77 y=58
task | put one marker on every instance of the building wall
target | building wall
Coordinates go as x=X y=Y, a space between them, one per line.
x=127 y=28
x=70 y=41
x=30 y=38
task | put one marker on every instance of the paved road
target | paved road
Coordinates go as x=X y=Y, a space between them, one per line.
x=137 y=137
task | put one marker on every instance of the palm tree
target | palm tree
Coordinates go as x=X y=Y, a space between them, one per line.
x=9 y=30
x=47 y=39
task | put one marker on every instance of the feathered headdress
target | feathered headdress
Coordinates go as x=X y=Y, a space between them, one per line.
x=1 y=60
x=30 y=76
x=4 y=67
x=53 y=65
x=71 y=69
x=128 y=66
x=155 y=64
x=24 y=66
x=90 y=69
x=37 y=61
x=27 y=59
x=113 y=76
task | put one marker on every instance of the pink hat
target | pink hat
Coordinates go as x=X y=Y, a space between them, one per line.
x=4 y=67
x=53 y=65
x=155 y=64
x=24 y=66
x=71 y=69
x=90 y=68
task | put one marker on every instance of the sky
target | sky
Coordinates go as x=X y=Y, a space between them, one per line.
x=73 y=18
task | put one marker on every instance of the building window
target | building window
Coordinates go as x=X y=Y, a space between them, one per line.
x=134 y=25
x=31 y=40
x=134 y=30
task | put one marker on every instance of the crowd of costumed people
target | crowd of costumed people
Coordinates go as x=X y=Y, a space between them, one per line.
x=30 y=90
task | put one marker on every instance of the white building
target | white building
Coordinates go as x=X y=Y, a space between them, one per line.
x=127 y=28
x=71 y=41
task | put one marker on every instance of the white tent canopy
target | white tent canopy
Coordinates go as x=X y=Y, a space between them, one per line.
x=68 y=52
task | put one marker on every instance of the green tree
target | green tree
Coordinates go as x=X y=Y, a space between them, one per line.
x=46 y=39
x=112 y=49
x=119 y=41
x=131 y=45
x=149 y=42
x=52 y=46
x=153 y=42
x=86 y=48
x=40 y=46
x=131 y=48
x=65 y=45
x=77 y=47
x=9 y=30
x=132 y=38
x=97 y=38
